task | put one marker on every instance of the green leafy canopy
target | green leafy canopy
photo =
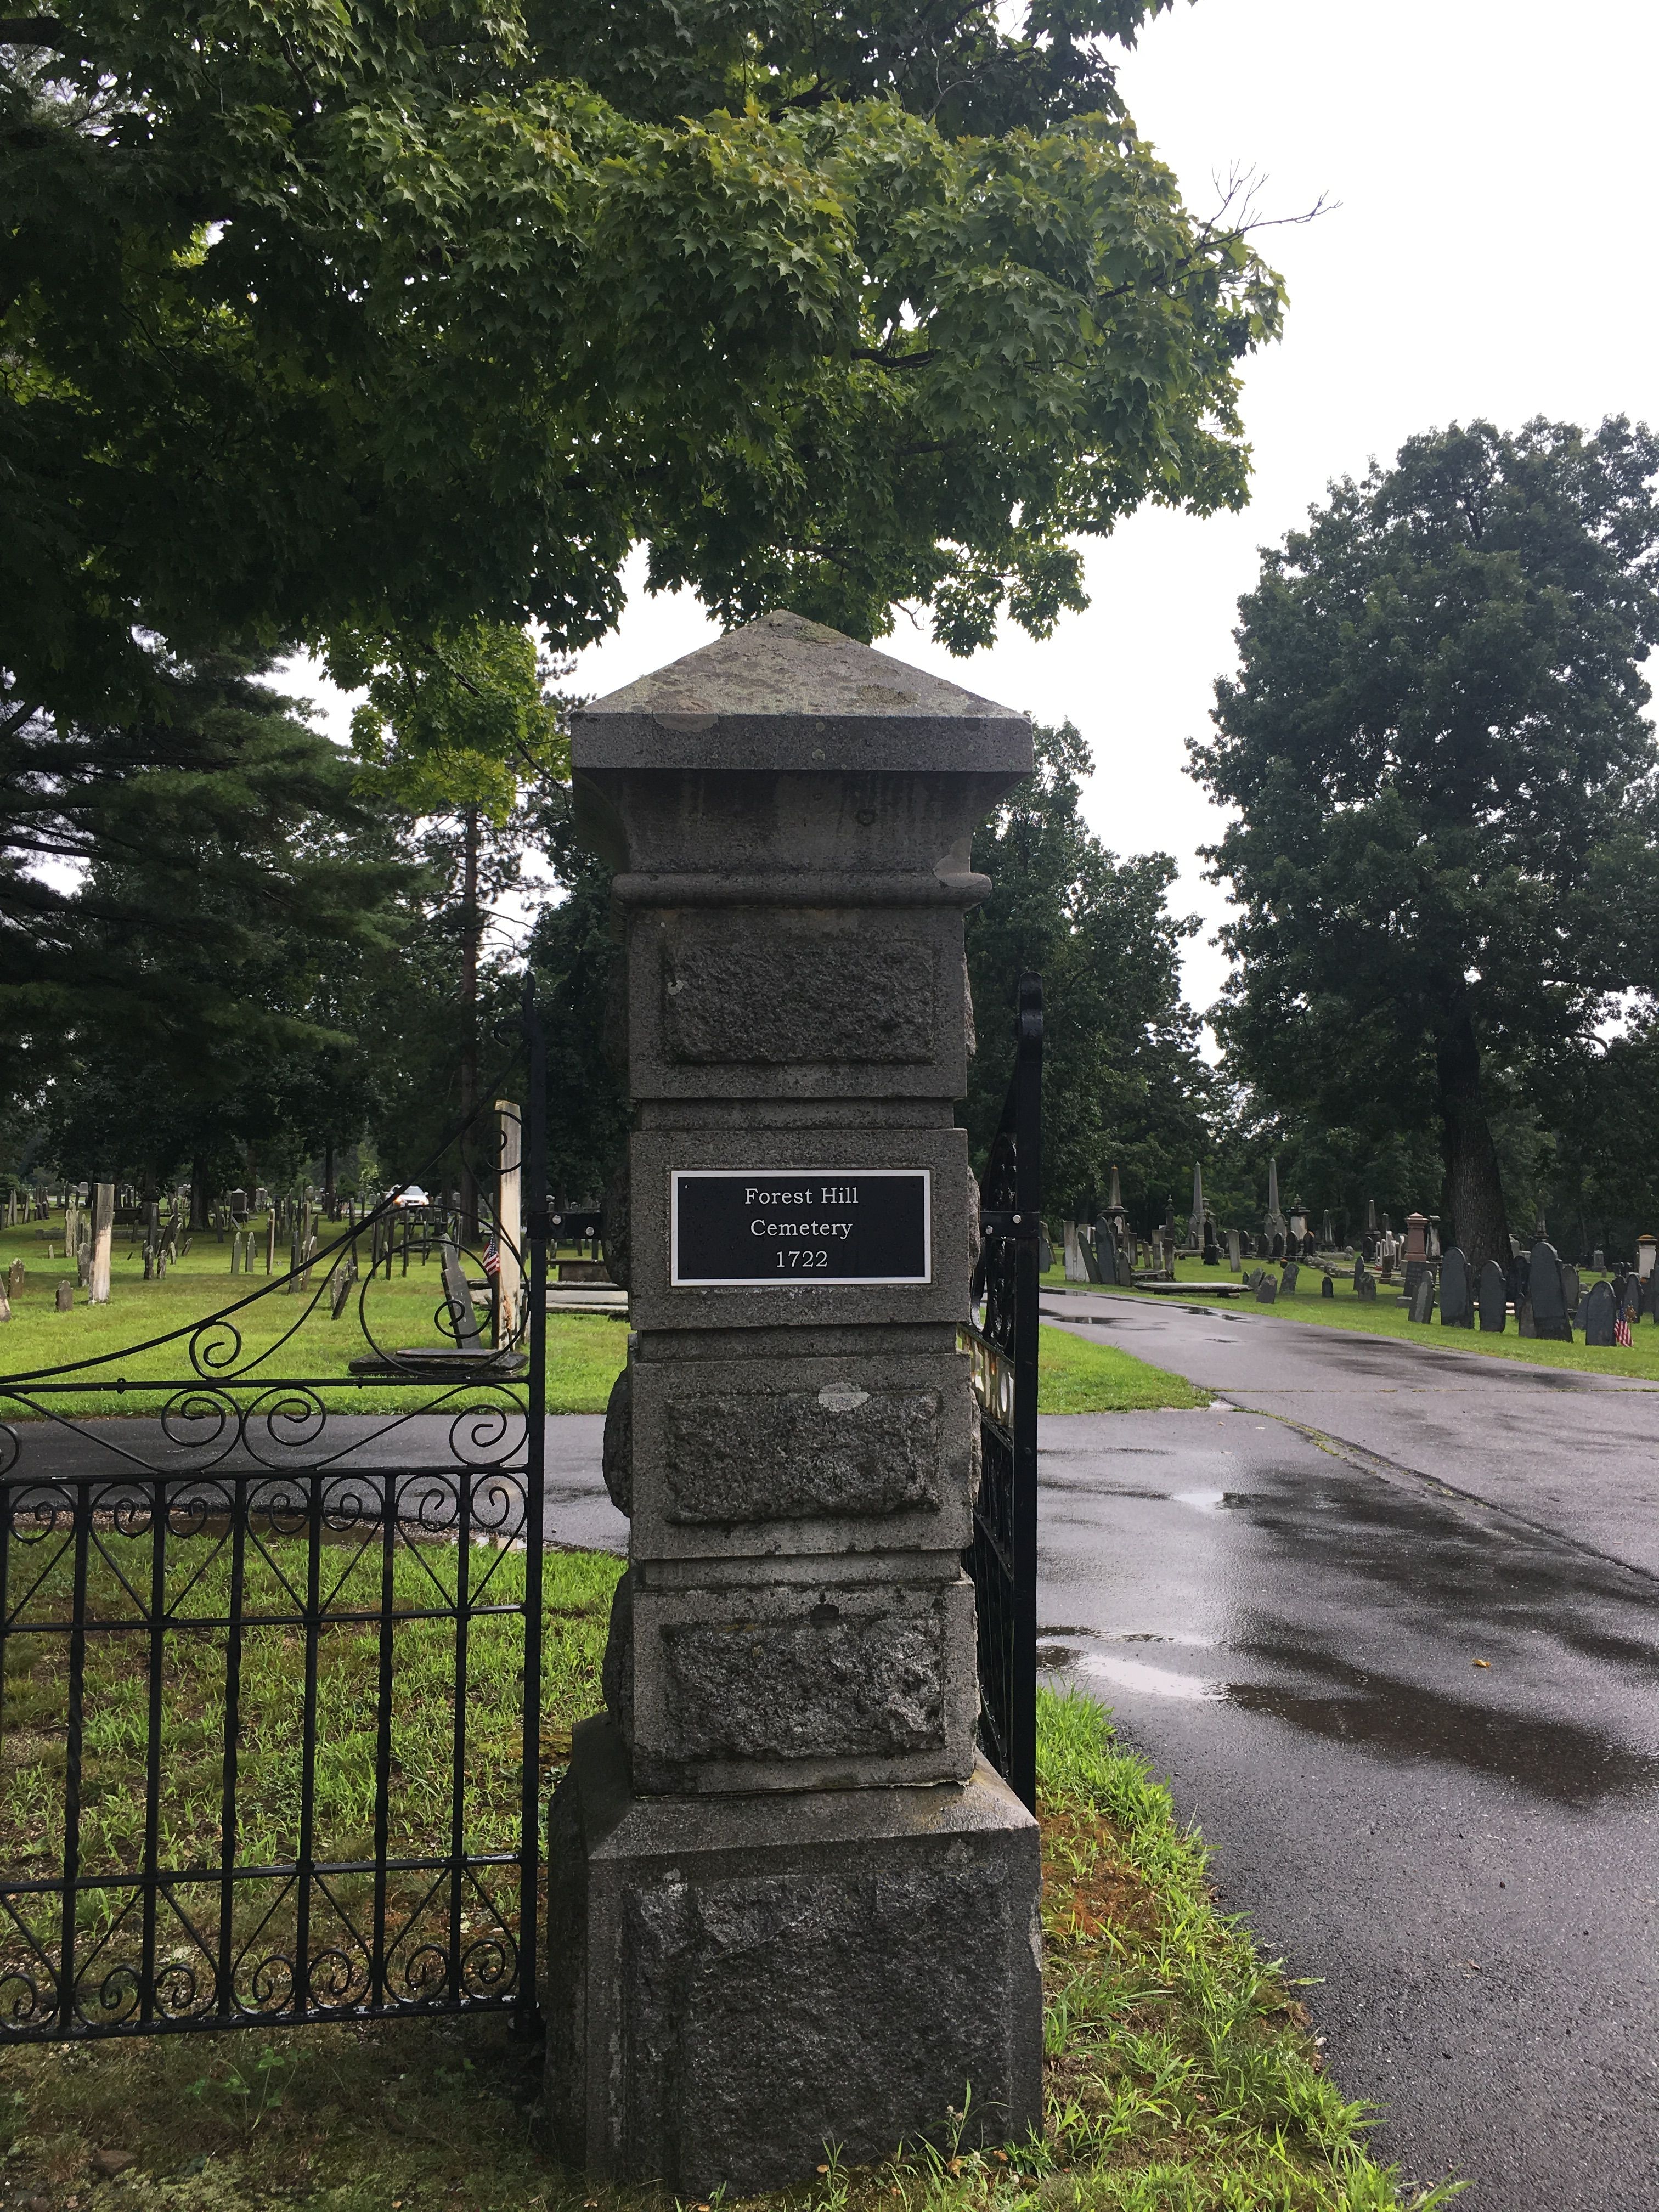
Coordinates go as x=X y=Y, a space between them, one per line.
x=388 y=317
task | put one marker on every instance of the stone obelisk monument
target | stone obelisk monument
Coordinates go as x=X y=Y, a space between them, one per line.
x=788 y=1905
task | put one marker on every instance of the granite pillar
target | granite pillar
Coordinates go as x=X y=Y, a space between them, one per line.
x=789 y=1905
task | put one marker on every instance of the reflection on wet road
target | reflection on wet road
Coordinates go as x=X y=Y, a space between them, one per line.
x=1424 y=1738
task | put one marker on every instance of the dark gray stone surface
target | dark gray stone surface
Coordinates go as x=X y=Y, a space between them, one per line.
x=765 y=995
x=1456 y=1296
x=734 y=1984
x=1545 y=1294
x=742 y=1456
x=1598 y=1313
x=1494 y=1298
x=1326 y=1288
x=1266 y=1288
x=1422 y=1296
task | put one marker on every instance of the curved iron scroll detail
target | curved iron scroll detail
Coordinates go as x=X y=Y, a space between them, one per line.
x=283 y=1568
x=1002 y=1557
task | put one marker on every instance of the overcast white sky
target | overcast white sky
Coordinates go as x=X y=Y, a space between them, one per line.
x=1491 y=254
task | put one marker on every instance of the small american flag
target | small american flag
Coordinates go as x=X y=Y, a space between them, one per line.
x=492 y=1264
x=1621 y=1329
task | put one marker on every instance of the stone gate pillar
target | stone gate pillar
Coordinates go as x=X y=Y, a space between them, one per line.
x=788 y=1903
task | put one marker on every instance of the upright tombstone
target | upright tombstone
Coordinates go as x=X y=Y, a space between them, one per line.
x=509 y=1224
x=1572 y=1289
x=1601 y=1311
x=788 y=1905
x=1646 y=1246
x=1075 y=1270
x=103 y=1229
x=65 y=1297
x=1422 y=1299
x=1266 y=1288
x=1211 y=1253
x=1358 y=1269
x=1545 y=1294
x=1494 y=1299
x=1292 y=1272
x=1456 y=1298
x=1106 y=1254
x=1326 y=1286
x=1366 y=1288
x=1417 y=1253
x=1235 y=1255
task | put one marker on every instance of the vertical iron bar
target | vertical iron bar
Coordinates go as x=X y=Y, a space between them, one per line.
x=526 y=2010
x=158 y=1599
x=303 y=1855
x=458 y=1766
x=383 y=1740
x=77 y=1683
x=229 y=1773
x=1028 y=1188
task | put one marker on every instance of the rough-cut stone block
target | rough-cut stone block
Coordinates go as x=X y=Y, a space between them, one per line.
x=740 y=1457
x=802 y=1685
x=733 y=1985
x=767 y=997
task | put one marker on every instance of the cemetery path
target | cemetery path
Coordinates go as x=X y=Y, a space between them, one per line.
x=1422 y=1736
x=1575 y=1453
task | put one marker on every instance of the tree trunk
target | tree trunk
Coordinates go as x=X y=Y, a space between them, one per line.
x=330 y=1209
x=1474 y=1202
x=469 y=933
x=200 y=1198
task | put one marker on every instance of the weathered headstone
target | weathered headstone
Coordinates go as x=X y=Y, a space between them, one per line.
x=788 y=1906
x=1417 y=1256
x=1293 y=1273
x=1598 y=1261
x=66 y=1297
x=1366 y=1287
x=463 y=1320
x=1601 y=1311
x=1234 y=1251
x=103 y=1225
x=1571 y=1290
x=1266 y=1288
x=1276 y=1251
x=1494 y=1298
x=1545 y=1294
x=1456 y=1303
x=1358 y=1269
x=1212 y=1250
x=1075 y=1270
x=1422 y=1298
x=15 y=1275
x=1327 y=1287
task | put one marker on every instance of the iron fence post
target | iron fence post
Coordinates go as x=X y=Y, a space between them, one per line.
x=528 y=2010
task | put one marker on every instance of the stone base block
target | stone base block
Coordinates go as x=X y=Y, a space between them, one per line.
x=733 y=1984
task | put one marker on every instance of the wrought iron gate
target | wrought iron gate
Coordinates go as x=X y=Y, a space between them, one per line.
x=1002 y=1558
x=210 y=1623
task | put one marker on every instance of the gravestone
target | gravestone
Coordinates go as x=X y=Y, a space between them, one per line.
x=1277 y=1250
x=1266 y=1288
x=5 y=1306
x=789 y=1906
x=1571 y=1290
x=1358 y=1269
x=1107 y=1253
x=1326 y=1288
x=1422 y=1298
x=1366 y=1287
x=1601 y=1311
x=1293 y=1273
x=1632 y=1298
x=15 y=1278
x=66 y=1298
x=1545 y=1294
x=1494 y=1299
x=1456 y=1305
x=1417 y=1256
x=1075 y=1270
x=1211 y=1249
x=1598 y=1261
x=1234 y=1251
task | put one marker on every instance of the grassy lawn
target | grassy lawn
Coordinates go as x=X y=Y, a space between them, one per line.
x=1075 y=1376
x=1386 y=1315
x=584 y=1354
x=1181 y=2076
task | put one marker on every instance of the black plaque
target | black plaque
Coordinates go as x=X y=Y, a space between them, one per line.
x=770 y=1228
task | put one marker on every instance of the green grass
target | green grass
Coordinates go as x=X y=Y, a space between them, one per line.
x=1180 y=2074
x=1077 y=1376
x=1386 y=1315
x=421 y=1704
x=584 y=1354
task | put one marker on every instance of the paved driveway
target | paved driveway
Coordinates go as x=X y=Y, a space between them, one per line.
x=1287 y=1619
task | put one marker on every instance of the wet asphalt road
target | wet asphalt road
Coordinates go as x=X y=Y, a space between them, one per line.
x=1463 y=1858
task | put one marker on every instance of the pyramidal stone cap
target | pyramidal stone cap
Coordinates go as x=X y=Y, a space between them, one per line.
x=786 y=693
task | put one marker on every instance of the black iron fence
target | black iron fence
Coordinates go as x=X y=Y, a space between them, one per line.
x=1002 y=1558
x=216 y=1621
